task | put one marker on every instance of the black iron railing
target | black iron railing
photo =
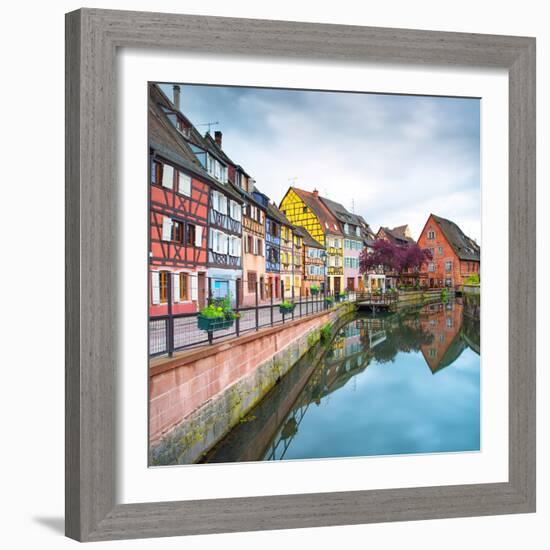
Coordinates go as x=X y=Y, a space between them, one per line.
x=178 y=331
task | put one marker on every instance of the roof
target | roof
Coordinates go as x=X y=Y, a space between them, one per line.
x=169 y=142
x=324 y=215
x=464 y=247
x=399 y=234
x=345 y=217
x=276 y=214
x=306 y=237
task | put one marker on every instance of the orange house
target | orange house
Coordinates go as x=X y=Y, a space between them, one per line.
x=455 y=256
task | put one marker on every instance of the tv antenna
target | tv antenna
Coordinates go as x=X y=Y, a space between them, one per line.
x=293 y=180
x=209 y=124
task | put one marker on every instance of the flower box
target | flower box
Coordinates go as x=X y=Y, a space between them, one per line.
x=286 y=309
x=213 y=323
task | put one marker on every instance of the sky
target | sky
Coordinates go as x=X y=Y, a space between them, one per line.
x=392 y=159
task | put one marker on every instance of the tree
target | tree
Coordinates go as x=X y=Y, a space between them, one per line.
x=393 y=257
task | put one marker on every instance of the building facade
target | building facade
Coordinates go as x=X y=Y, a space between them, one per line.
x=306 y=209
x=313 y=254
x=355 y=231
x=455 y=256
x=178 y=218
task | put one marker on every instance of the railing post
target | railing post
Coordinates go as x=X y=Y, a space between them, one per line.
x=283 y=297
x=209 y=290
x=293 y=298
x=238 y=291
x=170 y=334
x=257 y=310
x=271 y=294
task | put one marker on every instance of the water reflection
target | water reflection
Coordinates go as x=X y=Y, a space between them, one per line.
x=401 y=383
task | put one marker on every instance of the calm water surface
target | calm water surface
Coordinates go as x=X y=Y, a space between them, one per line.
x=407 y=382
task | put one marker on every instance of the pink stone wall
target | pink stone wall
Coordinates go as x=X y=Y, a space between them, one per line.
x=181 y=389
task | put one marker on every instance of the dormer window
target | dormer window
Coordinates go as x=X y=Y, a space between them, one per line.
x=346 y=228
x=358 y=231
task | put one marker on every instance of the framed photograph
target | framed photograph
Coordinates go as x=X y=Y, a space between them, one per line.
x=300 y=275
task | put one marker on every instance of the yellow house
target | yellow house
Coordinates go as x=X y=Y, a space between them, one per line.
x=306 y=209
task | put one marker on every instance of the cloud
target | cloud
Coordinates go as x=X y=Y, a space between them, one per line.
x=395 y=159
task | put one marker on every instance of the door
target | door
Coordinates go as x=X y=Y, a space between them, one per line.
x=351 y=284
x=336 y=285
x=202 y=290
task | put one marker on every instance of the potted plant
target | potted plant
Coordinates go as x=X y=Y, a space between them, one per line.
x=314 y=289
x=216 y=316
x=329 y=300
x=286 y=307
x=341 y=297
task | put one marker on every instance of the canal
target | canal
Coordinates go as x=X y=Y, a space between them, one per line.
x=400 y=383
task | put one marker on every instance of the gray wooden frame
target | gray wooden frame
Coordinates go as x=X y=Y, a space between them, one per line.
x=92 y=39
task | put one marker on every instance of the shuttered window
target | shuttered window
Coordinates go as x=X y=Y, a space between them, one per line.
x=191 y=234
x=163 y=286
x=184 y=287
x=184 y=184
x=168 y=176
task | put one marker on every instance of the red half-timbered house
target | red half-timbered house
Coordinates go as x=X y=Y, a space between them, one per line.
x=178 y=221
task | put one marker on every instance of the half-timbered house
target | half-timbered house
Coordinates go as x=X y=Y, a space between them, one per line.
x=313 y=261
x=178 y=218
x=307 y=210
x=355 y=230
x=224 y=232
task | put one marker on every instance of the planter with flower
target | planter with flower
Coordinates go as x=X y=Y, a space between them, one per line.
x=314 y=289
x=286 y=307
x=329 y=300
x=216 y=316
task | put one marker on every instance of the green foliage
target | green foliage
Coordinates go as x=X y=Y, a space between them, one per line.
x=220 y=308
x=286 y=305
x=326 y=333
x=329 y=300
x=444 y=295
x=314 y=289
x=313 y=338
x=472 y=279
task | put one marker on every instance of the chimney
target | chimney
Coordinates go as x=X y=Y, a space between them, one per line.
x=177 y=94
x=315 y=193
x=218 y=138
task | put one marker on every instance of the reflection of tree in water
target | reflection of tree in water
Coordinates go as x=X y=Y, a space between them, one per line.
x=404 y=333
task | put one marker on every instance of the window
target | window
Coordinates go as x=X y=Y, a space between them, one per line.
x=448 y=282
x=448 y=266
x=184 y=287
x=449 y=322
x=156 y=172
x=177 y=231
x=433 y=352
x=440 y=250
x=235 y=210
x=163 y=286
x=358 y=231
x=234 y=246
x=219 y=202
x=304 y=209
x=260 y=247
x=184 y=184
x=346 y=228
x=248 y=244
x=168 y=176
x=431 y=234
x=252 y=278
x=431 y=267
x=191 y=234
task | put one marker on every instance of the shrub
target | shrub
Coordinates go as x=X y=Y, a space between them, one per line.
x=472 y=280
x=326 y=333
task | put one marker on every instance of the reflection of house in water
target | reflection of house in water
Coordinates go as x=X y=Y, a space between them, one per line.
x=444 y=322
